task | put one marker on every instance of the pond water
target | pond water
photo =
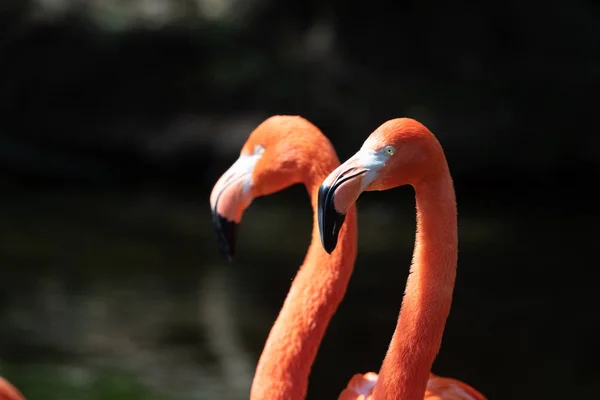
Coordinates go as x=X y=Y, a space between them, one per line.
x=115 y=295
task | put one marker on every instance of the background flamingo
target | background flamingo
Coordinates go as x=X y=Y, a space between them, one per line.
x=403 y=151
x=8 y=391
x=280 y=152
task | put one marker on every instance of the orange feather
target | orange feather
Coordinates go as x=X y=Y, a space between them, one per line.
x=8 y=391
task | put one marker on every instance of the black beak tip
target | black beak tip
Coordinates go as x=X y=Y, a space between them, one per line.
x=226 y=234
x=330 y=220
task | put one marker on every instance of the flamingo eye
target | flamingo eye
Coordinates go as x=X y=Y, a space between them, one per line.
x=389 y=150
x=258 y=150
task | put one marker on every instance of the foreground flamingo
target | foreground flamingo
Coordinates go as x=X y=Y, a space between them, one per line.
x=400 y=152
x=8 y=391
x=280 y=152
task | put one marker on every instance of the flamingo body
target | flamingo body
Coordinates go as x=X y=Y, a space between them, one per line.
x=361 y=386
x=8 y=391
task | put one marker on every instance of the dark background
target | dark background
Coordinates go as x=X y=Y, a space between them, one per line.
x=117 y=117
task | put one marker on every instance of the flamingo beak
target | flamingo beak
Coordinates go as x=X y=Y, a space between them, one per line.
x=341 y=189
x=336 y=194
x=229 y=198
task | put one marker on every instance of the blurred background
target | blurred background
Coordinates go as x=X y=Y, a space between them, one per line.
x=117 y=117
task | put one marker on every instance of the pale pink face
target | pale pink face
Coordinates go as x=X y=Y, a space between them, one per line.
x=233 y=191
x=401 y=151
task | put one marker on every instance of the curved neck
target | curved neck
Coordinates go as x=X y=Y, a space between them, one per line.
x=317 y=290
x=428 y=296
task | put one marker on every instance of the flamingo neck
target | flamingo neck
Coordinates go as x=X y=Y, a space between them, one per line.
x=317 y=290
x=428 y=296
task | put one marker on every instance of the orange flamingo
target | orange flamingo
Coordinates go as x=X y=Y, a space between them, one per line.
x=8 y=391
x=280 y=152
x=400 y=152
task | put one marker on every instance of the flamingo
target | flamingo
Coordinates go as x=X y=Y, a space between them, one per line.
x=8 y=391
x=280 y=152
x=402 y=151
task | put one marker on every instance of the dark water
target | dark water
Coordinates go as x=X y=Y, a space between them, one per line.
x=114 y=295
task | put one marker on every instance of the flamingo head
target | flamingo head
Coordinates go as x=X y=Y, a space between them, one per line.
x=279 y=153
x=397 y=153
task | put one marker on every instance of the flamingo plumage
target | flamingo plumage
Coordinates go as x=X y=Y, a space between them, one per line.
x=403 y=151
x=280 y=152
x=361 y=386
x=8 y=391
